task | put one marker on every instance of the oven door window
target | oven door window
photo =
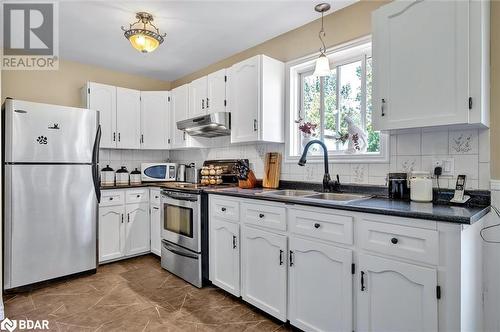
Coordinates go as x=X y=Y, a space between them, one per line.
x=178 y=220
x=156 y=172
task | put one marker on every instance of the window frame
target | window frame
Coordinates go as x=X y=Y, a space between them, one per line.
x=350 y=52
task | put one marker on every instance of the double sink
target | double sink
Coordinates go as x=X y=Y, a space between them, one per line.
x=303 y=194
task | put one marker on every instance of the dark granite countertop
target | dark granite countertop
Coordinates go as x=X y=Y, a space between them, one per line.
x=376 y=204
x=439 y=210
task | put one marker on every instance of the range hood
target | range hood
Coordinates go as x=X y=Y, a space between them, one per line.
x=210 y=125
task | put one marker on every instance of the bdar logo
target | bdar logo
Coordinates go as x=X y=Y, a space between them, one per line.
x=8 y=324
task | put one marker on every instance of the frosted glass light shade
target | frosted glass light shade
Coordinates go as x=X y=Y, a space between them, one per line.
x=322 y=67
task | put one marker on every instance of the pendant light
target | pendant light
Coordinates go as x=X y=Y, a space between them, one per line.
x=147 y=38
x=322 y=67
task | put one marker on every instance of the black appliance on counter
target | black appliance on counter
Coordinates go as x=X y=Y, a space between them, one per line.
x=185 y=228
x=398 y=186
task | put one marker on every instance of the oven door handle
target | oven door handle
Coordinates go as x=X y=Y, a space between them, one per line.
x=180 y=197
x=178 y=252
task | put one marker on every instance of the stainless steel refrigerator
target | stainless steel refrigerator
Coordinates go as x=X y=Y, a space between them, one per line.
x=51 y=191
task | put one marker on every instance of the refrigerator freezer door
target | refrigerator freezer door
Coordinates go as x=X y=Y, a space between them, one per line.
x=50 y=222
x=43 y=133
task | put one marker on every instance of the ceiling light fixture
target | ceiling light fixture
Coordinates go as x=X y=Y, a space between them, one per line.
x=147 y=38
x=322 y=67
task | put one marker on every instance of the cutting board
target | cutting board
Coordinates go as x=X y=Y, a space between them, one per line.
x=272 y=170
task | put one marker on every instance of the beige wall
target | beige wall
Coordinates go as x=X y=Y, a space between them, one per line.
x=344 y=25
x=495 y=89
x=62 y=87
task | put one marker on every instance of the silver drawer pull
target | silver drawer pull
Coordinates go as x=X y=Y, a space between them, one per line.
x=316 y=225
x=261 y=215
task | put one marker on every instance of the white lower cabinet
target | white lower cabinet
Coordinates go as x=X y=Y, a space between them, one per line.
x=124 y=229
x=320 y=290
x=137 y=231
x=395 y=296
x=225 y=255
x=111 y=233
x=264 y=270
x=335 y=270
x=155 y=229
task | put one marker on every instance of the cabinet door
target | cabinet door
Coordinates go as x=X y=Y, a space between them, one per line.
x=154 y=115
x=197 y=97
x=395 y=296
x=225 y=255
x=155 y=232
x=102 y=98
x=179 y=109
x=216 y=91
x=111 y=233
x=320 y=301
x=244 y=100
x=264 y=270
x=420 y=64
x=137 y=231
x=128 y=118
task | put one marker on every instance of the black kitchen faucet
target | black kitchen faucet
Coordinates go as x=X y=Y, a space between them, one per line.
x=328 y=184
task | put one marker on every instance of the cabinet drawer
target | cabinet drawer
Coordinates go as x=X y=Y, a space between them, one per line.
x=272 y=216
x=322 y=225
x=395 y=240
x=225 y=208
x=155 y=197
x=140 y=195
x=112 y=197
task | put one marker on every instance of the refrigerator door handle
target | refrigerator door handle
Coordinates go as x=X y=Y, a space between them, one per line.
x=95 y=169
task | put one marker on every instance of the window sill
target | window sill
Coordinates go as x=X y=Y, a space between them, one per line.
x=342 y=159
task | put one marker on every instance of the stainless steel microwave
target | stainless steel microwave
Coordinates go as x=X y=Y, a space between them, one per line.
x=158 y=172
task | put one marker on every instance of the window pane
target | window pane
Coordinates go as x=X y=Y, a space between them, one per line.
x=330 y=96
x=373 y=136
x=311 y=88
x=350 y=94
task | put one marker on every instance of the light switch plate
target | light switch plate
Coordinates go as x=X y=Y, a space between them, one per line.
x=448 y=165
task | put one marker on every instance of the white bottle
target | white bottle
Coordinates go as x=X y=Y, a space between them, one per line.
x=420 y=186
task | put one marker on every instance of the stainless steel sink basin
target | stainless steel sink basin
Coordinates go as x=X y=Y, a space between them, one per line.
x=289 y=193
x=338 y=197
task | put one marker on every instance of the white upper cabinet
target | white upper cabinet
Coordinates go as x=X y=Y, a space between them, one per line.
x=155 y=119
x=395 y=296
x=198 y=97
x=128 y=118
x=102 y=98
x=179 y=109
x=256 y=100
x=430 y=64
x=216 y=91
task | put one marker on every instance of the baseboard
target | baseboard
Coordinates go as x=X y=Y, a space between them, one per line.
x=495 y=185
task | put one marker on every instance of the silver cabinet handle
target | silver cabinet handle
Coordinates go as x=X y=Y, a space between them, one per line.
x=234 y=241
x=142 y=138
x=155 y=208
x=119 y=137
x=281 y=257
x=128 y=217
x=114 y=137
x=207 y=102
x=255 y=125
x=203 y=104
x=184 y=136
x=122 y=218
x=382 y=107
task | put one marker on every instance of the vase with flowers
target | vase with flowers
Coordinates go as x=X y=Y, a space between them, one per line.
x=307 y=131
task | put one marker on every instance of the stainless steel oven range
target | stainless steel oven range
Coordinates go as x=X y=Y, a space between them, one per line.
x=181 y=251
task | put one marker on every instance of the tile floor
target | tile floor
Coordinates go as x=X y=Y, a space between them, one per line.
x=136 y=295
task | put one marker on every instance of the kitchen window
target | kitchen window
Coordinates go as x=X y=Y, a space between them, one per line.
x=326 y=103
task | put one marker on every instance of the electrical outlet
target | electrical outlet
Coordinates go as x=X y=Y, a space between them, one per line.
x=447 y=164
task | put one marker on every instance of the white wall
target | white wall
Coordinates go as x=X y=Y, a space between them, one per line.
x=492 y=265
x=409 y=150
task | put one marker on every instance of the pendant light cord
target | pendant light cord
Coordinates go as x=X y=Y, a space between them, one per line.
x=322 y=34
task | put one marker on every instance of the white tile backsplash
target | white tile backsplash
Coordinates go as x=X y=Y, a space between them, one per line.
x=130 y=158
x=410 y=150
